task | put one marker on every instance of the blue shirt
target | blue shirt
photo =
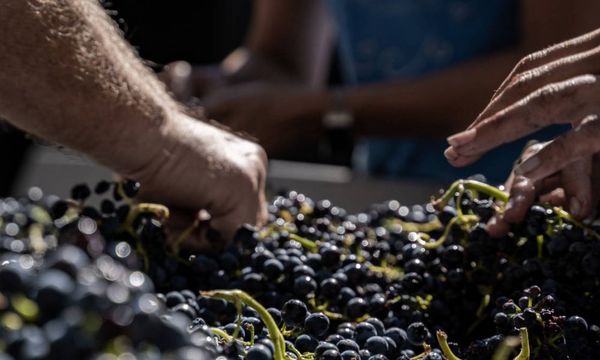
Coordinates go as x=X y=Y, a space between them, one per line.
x=405 y=39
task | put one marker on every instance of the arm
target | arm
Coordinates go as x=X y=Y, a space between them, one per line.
x=455 y=96
x=67 y=76
x=289 y=42
x=297 y=35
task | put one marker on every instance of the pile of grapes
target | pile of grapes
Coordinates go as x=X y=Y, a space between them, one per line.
x=395 y=282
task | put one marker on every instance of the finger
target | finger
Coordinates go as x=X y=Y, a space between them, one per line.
x=535 y=60
x=228 y=224
x=595 y=185
x=549 y=184
x=576 y=180
x=556 y=197
x=262 y=214
x=496 y=227
x=529 y=150
x=522 y=196
x=458 y=160
x=556 y=103
x=577 y=144
x=528 y=81
x=179 y=224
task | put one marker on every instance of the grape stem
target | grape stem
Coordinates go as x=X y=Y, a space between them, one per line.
x=184 y=236
x=308 y=244
x=426 y=350
x=505 y=348
x=250 y=328
x=222 y=334
x=525 y=352
x=562 y=214
x=470 y=185
x=237 y=296
x=443 y=341
x=464 y=219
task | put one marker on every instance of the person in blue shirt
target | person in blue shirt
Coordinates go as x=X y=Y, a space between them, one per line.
x=415 y=71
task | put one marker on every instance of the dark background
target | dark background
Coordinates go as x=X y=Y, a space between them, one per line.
x=198 y=31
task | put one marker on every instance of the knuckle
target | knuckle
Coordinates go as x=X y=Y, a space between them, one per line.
x=559 y=150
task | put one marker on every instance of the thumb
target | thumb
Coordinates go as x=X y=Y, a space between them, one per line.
x=178 y=78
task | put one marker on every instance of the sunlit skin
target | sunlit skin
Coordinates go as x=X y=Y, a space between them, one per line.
x=67 y=76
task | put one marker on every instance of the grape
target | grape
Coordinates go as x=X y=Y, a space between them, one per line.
x=76 y=279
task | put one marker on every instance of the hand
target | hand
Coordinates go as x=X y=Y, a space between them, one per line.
x=187 y=82
x=241 y=66
x=579 y=180
x=279 y=116
x=557 y=85
x=202 y=167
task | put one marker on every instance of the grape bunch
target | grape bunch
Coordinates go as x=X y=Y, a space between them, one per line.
x=393 y=282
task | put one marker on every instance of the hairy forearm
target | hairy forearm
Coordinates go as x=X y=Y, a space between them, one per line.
x=67 y=76
x=432 y=106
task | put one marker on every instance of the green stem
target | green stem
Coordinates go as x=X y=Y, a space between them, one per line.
x=470 y=185
x=308 y=244
x=295 y=351
x=461 y=192
x=485 y=301
x=540 y=245
x=222 y=334
x=442 y=239
x=389 y=272
x=427 y=350
x=414 y=227
x=505 y=348
x=443 y=341
x=252 y=333
x=562 y=214
x=525 y=352
x=185 y=235
x=238 y=323
x=274 y=333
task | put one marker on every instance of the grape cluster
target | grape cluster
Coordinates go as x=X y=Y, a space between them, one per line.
x=59 y=300
x=393 y=282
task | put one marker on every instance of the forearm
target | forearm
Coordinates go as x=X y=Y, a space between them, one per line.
x=67 y=76
x=432 y=106
x=296 y=35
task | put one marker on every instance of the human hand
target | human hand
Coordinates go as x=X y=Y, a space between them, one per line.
x=204 y=168
x=575 y=188
x=279 y=116
x=557 y=85
x=186 y=82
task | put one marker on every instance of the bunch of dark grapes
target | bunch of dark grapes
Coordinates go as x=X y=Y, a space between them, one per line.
x=315 y=283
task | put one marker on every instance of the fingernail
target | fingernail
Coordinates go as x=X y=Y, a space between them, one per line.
x=462 y=138
x=450 y=154
x=527 y=166
x=574 y=206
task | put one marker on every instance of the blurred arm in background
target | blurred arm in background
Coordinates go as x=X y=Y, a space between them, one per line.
x=67 y=76
x=283 y=110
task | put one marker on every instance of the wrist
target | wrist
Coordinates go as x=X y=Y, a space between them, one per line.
x=156 y=146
